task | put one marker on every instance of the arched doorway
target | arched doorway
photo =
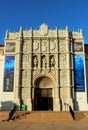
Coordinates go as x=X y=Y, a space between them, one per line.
x=43 y=99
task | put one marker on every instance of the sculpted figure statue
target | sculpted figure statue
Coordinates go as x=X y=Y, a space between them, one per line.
x=52 y=61
x=44 y=62
x=35 y=62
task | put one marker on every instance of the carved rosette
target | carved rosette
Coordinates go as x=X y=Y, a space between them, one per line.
x=63 y=78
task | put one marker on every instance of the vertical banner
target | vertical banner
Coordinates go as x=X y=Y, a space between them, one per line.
x=79 y=80
x=9 y=73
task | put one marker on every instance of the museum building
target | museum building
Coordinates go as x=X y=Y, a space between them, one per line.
x=45 y=69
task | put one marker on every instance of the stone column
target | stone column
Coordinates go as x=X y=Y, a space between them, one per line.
x=18 y=67
x=48 y=57
x=56 y=88
x=40 y=56
x=29 y=99
x=69 y=99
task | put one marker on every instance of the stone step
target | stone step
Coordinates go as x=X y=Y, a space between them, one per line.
x=45 y=117
x=80 y=115
x=3 y=115
x=21 y=116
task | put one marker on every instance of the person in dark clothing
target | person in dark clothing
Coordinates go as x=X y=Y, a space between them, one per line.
x=11 y=113
x=72 y=112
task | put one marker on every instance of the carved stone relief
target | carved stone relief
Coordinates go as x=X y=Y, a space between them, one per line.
x=63 y=33
x=25 y=48
x=52 y=61
x=62 y=47
x=25 y=61
x=44 y=62
x=36 y=44
x=53 y=73
x=63 y=77
x=44 y=82
x=43 y=29
x=44 y=45
x=35 y=62
x=52 y=45
x=62 y=60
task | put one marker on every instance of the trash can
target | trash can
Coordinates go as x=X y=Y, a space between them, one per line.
x=23 y=107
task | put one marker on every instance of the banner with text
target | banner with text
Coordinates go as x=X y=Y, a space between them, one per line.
x=9 y=73
x=79 y=80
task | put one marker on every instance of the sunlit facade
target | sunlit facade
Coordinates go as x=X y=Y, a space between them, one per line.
x=44 y=69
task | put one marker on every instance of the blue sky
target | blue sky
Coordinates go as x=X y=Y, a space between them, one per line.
x=32 y=13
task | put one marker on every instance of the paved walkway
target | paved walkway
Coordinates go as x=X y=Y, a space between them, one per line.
x=63 y=125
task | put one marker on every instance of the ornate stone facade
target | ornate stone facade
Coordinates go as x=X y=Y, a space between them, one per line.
x=43 y=67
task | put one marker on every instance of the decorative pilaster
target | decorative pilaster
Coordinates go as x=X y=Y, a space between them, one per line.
x=29 y=100
x=18 y=77
x=56 y=89
x=69 y=99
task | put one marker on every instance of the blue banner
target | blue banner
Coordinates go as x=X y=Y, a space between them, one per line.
x=79 y=81
x=9 y=73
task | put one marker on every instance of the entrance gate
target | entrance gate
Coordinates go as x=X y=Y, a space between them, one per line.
x=43 y=99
